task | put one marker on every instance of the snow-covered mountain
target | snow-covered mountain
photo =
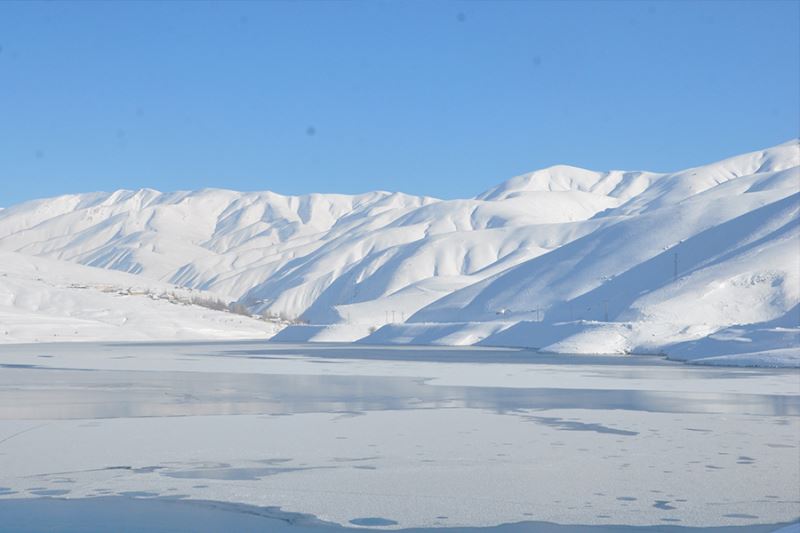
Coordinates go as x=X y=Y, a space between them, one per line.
x=322 y=257
x=563 y=258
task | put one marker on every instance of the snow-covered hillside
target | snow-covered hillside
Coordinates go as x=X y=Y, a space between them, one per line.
x=563 y=258
x=45 y=300
x=325 y=257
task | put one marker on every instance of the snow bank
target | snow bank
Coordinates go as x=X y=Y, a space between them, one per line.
x=448 y=334
x=772 y=343
x=322 y=333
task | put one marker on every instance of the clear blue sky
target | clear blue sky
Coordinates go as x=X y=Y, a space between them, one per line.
x=438 y=98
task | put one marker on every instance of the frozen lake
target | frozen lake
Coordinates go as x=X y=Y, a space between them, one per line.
x=256 y=435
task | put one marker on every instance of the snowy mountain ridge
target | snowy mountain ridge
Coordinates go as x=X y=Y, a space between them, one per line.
x=559 y=249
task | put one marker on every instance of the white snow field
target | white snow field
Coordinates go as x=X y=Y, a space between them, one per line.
x=48 y=300
x=297 y=438
x=701 y=264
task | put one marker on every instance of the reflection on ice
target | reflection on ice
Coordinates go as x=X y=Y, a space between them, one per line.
x=62 y=394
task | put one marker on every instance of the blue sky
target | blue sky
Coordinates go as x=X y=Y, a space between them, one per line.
x=438 y=98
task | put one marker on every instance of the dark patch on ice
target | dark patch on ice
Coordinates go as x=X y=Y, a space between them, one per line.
x=146 y=469
x=355 y=459
x=157 y=515
x=739 y=515
x=771 y=445
x=664 y=505
x=626 y=498
x=13 y=365
x=199 y=464
x=349 y=414
x=138 y=494
x=365 y=467
x=570 y=425
x=275 y=461
x=49 y=492
x=699 y=430
x=237 y=474
x=372 y=521
x=670 y=519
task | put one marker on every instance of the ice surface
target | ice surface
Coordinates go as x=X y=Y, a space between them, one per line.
x=425 y=438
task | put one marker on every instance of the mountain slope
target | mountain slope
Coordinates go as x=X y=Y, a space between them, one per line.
x=47 y=300
x=735 y=247
x=562 y=258
x=299 y=255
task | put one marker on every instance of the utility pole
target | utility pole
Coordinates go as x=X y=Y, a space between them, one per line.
x=393 y=321
x=675 y=267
